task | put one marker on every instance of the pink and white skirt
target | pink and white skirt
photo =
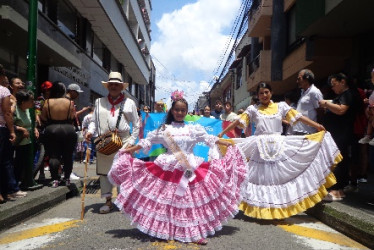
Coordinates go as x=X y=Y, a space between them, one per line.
x=147 y=196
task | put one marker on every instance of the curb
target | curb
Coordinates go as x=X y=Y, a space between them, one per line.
x=350 y=221
x=36 y=204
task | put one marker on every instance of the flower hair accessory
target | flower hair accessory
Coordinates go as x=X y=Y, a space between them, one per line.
x=177 y=95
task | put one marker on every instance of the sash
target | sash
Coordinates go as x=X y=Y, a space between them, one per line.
x=189 y=174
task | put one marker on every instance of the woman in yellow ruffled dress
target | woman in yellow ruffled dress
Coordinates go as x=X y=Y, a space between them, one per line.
x=286 y=174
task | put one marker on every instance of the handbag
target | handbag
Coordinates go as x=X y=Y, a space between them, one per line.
x=110 y=142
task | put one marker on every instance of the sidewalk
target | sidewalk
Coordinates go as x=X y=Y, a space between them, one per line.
x=14 y=212
x=354 y=216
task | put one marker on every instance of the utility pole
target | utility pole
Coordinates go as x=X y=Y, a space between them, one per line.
x=31 y=58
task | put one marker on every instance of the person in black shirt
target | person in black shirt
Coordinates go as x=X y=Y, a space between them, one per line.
x=338 y=120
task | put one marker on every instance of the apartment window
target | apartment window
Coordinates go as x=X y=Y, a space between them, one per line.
x=89 y=39
x=239 y=77
x=106 y=59
x=114 y=65
x=227 y=95
x=291 y=26
x=42 y=6
x=98 y=50
x=66 y=19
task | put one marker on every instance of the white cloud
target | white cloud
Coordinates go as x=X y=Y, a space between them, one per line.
x=190 y=43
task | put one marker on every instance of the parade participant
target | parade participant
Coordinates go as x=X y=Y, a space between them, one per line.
x=178 y=196
x=60 y=138
x=105 y=117
x=287 y=174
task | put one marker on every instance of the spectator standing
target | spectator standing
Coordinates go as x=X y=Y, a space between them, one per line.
x=206 y=112
x=15 y=85
x=89 y=144
x=105 y=118
x=308 y=102
x=73 y=91
x=8 y=185
x=338 y=120
x=228 y=115
x=41 y=159
x=60 y=137
x=160 y=107
x=24 y=155
x=218 y=109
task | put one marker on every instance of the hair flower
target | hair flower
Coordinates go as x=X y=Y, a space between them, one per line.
x=177 y=95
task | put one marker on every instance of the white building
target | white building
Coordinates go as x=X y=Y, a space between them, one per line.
x=82 y=41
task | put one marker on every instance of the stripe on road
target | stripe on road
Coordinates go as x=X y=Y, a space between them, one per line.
x=313 y=229
x=36 y=232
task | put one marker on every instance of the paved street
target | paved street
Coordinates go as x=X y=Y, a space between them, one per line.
x=61 y=228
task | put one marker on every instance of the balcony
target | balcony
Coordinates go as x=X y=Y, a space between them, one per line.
x=259 y=70
x=259 y=23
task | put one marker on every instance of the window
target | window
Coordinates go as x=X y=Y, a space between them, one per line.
x=291 y=25
x=239 y=77
x=66 y=19
x=227 y=95
x=98 y=51
x=42 y=6
x=106 y=59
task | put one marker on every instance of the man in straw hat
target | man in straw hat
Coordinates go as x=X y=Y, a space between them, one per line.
x=104 y=120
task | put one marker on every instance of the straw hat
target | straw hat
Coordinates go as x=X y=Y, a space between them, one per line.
x=115 y=77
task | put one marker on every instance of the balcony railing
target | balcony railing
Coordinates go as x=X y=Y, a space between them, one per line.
x=260 y=19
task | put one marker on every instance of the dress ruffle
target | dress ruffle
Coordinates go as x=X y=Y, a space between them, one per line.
x=287 y=174
x=147 y=196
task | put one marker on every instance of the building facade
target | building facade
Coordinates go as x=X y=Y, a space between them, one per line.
x=326 y=36
x=81 y=41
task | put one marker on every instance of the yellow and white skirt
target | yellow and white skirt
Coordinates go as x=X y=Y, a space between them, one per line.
x=286 y=174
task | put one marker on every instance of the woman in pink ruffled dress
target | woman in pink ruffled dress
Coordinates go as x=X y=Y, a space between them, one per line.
x=179 y=196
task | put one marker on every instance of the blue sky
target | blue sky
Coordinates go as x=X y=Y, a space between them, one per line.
x=188 y=39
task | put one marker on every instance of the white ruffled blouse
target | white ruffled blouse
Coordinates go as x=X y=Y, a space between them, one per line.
x=186 y=136
x=268 y=119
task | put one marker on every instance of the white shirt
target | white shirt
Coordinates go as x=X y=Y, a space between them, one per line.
x=104 y=122
x=228 y=117
x=307 y=106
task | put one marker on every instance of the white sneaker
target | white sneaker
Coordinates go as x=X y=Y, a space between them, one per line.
x=74 y=177
x=371 y=142
x=365 y=139
x=362 y=180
